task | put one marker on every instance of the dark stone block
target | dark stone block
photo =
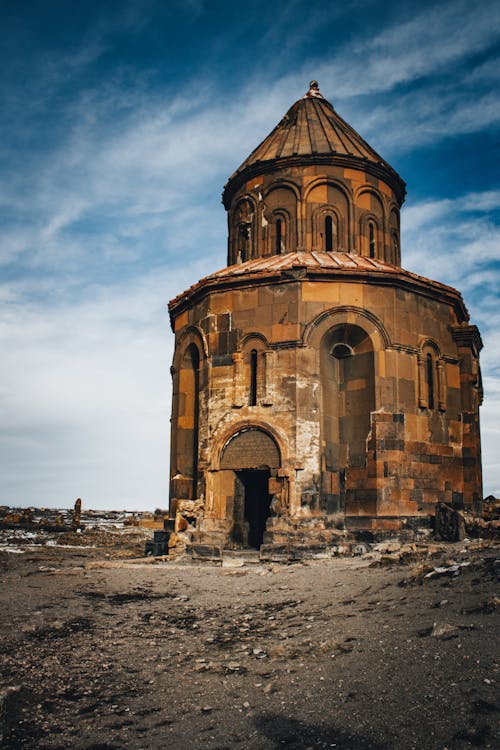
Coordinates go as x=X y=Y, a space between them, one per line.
x=222 y=343
x=153 y=549
x=224 y=322
x=398 y=418
x=161 y=536
x=232 y=340
x=333 y=504
x=392 y=444
x=204 y=552
x=222 y=360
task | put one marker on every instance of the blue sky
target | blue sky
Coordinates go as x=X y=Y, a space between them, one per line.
x=121 y=123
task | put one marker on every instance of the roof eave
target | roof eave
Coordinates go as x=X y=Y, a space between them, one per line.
x=380 y=170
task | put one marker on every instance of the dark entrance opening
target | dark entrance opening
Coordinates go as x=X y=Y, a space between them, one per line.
x=256 y=503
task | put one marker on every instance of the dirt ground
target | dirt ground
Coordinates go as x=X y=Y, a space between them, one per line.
x=345 y=652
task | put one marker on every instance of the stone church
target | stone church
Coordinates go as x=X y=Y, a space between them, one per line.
x=317 y=385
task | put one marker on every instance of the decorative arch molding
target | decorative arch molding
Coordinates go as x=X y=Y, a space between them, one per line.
x=430 y=343
x=323 y=180
x=220 y=442
x=370 y=190
x=318 y=217
x=242 y=227
x=282 y=243
x=241 y=199
x=431 y=376
x=364 y=319
x=251 y=362
x=371 y=237
x=192 y=335
x=394 y=213
x=253 y=336
x=282 y=184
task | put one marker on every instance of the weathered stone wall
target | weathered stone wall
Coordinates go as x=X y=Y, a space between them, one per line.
x=301 y=199
x=359 y=439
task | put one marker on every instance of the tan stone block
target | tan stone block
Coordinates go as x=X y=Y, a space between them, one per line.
x=354 y=175
x=351 y=294
x=247 y=299
x=381 y=371
x=285 y=331
x=221 y=303
x=364 y=201
x=181 y=321
x=384 y=188
x=324 y=291
x=452 y=376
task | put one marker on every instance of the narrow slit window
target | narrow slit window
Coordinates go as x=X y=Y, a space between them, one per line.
x=395 y=248
x=328 y=234
x=430 y=381
x=252 y=398
x=371 y=238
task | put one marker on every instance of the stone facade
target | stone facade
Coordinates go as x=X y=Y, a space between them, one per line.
x=317 y=384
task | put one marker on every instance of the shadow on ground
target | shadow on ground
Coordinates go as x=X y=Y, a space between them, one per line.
x=290 y=733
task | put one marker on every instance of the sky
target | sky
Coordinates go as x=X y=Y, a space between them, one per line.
x=121 y=122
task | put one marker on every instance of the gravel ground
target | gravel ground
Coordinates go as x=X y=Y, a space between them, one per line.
x=346 y=652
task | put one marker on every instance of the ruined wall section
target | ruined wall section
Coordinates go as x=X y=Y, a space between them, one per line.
x=416 y=440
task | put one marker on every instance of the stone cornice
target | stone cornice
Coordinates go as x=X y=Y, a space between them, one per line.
x=467 y=336
x=379 y=170
x=397 y=277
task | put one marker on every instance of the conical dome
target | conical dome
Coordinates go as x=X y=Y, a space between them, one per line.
x=314 y=184
x=312 y=132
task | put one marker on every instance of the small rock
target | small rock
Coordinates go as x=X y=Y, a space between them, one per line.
x=444 y=631
x=269 y=688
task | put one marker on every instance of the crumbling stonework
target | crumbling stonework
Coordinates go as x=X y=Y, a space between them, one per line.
x=316 y=384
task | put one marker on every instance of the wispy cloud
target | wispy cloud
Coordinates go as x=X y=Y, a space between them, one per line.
x=109 y=205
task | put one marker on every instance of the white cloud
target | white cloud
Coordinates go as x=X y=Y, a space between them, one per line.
x=458 y=242
x=132 y=184
x=405 y=51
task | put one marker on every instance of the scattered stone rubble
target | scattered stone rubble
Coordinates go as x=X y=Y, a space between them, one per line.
x=330 y=641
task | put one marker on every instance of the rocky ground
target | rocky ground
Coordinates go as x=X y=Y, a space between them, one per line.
x=374 y=651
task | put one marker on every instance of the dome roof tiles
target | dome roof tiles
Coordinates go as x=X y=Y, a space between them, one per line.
x=315 y=265
x=312 y=127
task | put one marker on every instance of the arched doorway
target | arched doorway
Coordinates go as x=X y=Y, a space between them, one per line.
x=253 y=457
x=348 y=399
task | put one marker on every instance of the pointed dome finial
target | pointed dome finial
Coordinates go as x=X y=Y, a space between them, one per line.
x=314 y=92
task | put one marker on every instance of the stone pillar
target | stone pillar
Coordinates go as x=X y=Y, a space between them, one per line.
x=422 y=383
x=238 y=380
x=441 y=385
x=267 y=377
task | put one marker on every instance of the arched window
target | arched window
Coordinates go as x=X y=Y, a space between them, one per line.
x=187 y=406
x=341 y=351
x=328 y=234
x=278 y=238
x=347 y=373
x=395 y=248
x=371 y=239
x=429 y=372
x=252 y=395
